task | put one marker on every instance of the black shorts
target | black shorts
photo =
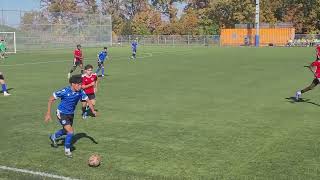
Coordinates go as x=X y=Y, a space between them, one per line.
x=315 y=81
x=90 y=97
x=77 y=63
x=65 y=119
x=100 y=64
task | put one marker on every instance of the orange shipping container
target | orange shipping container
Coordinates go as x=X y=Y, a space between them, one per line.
x=238 y=37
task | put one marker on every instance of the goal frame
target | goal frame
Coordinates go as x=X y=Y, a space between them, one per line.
x=14 y=41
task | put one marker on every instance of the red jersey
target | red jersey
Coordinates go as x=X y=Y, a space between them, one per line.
x=317 y=65
x=77 y=53
x=88 y=80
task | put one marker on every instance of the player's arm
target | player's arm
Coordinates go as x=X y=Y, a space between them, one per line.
x=96 y=86
x=83 y=86
x=48 y=114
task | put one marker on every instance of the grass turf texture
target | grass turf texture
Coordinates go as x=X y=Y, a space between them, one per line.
x=185 y=113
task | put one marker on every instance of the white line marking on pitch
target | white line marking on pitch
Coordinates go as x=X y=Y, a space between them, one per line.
x=36 y=173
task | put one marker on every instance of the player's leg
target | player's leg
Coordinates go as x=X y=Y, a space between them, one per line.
x=134 y=52
x=102 y=69
x=66 y=121
x=92 y=99
x=84 y=109
x=53 y=137
x=314 y=83
x=68 y=141
x=1 y=54
x=74 y=67
x=99 y=67
x=3 y=85
x=81 y=67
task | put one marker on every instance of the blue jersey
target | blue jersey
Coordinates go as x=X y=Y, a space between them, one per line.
x=69 y=99
x=134 y=46
x=102 y=56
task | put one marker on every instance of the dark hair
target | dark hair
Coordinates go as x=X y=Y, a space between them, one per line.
x=75 y=79
x=78 y=45
x=105 y=48
x=88 y=66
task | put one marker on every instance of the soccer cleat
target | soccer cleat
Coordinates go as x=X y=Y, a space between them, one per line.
x=69 y=75
x=298 y=95
x=84 y=116
x=6 y=94
x=102 y=75
x=68 y=153
x=53 y=141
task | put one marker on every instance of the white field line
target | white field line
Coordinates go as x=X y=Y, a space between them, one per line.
x=147 y=55
x=53 y=61
x=36 y=173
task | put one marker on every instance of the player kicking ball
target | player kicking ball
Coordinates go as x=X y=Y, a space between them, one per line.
x=70 y=96
x=90 y=87
x=77 y=60
x=315 y=69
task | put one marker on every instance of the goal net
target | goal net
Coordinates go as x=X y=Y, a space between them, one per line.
x=9 y=40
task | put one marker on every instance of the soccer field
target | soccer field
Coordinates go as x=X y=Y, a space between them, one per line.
x=174 y=113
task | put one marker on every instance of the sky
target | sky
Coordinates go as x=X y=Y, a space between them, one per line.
x=25 y=5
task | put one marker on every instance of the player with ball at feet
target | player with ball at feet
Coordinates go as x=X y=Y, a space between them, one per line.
x=70 y=96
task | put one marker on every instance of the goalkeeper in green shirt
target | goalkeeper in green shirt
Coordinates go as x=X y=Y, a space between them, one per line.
x=2 y=49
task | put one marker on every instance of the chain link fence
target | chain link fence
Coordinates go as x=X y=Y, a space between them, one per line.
x=37 y=30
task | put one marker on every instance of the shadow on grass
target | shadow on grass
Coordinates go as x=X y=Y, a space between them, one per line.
x=75 y=139
x=7 y=90
x=301 y=100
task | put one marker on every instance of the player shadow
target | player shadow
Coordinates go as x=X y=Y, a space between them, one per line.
x=301 y=100
x=7 y=89
x=76 y=138
x=100 y=76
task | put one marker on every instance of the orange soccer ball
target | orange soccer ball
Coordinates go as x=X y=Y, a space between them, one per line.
x=94 y=160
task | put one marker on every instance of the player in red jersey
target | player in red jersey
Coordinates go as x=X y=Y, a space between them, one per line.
x=315 y=69
x=89 y=85
x=318 y=50
x=77 y=60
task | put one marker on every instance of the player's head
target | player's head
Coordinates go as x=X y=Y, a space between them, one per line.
x=75 y=82
x=88 y=69
x=78 y=46
x=105 y=49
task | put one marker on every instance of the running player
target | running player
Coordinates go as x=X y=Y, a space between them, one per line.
x=77 y=60
x=89 y=85
x=315 y=69
x=70 y=96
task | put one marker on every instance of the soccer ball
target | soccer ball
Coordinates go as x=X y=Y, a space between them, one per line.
x=94 y=160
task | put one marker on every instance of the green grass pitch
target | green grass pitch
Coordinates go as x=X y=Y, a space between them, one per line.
x=174 y=113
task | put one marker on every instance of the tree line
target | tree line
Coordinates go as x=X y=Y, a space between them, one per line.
x=198 y=17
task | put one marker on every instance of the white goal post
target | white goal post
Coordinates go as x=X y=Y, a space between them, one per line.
x=10 y=41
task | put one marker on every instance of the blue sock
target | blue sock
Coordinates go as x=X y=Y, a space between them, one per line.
x=4 y=87
x=102 y=71
x=68 y=141
x=98 y=70
x=59 y=133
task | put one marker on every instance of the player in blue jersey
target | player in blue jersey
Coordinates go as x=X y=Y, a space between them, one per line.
x=3 y=85
x=70 y=96
x=134 y=46
x=102 y=56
